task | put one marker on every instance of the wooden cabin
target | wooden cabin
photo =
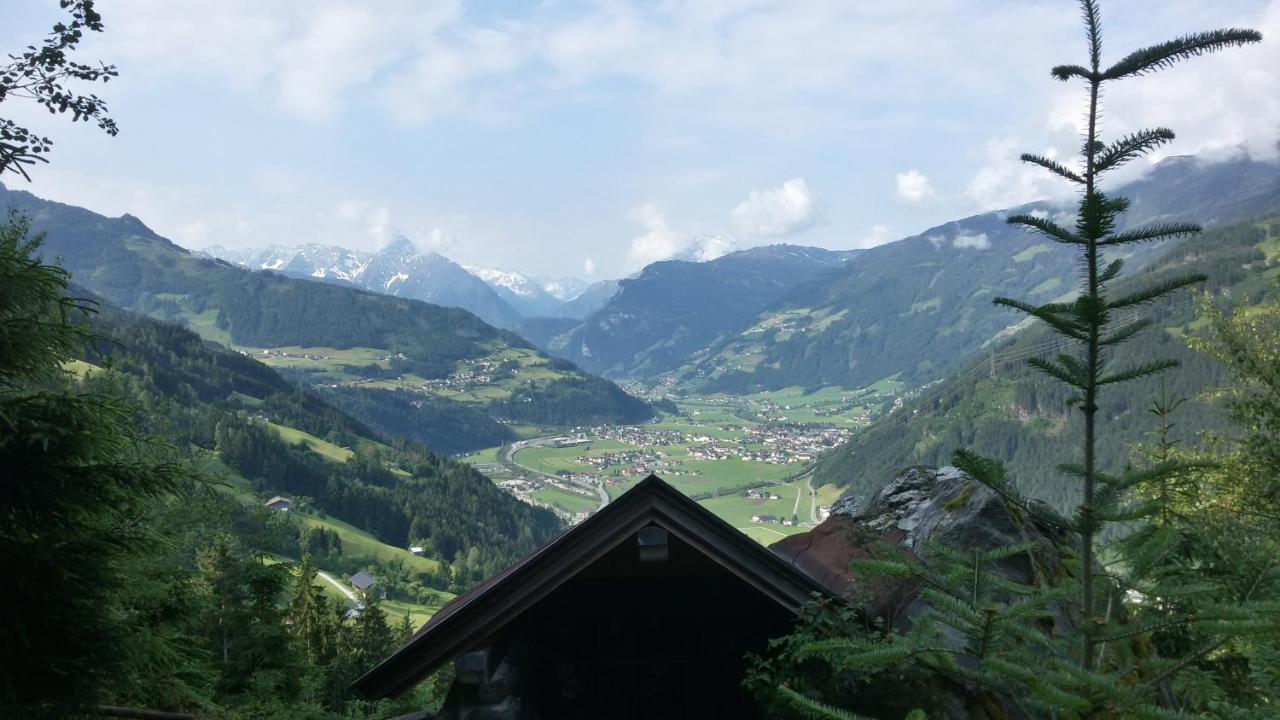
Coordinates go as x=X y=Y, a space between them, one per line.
x=644 y=610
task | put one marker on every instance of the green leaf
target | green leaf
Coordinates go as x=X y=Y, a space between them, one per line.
x=1167 y=53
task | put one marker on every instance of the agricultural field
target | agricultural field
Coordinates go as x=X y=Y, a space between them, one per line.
x=715 y=449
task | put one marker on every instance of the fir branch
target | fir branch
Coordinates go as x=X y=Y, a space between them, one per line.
x=1151 y=232
x=1112 y=271
x=1048 y=367
x=1055 y=315
x=815 y=709
x=1160 y=56
x=1131 y=146
x=1053 y=166
x=1138 y=371
x=1046 y=227
x=1066 y=72
x=1155 y=292
x=1125 y=333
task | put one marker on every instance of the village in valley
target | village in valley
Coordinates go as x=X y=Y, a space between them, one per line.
x=748 y=459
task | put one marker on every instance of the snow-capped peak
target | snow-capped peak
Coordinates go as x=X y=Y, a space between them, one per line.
x=515 y=282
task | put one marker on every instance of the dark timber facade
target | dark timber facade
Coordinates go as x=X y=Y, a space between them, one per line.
x=644 y=610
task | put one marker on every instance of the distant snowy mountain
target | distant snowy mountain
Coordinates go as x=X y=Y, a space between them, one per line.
x=398 y=269
x=563 y=289
x=526 y=294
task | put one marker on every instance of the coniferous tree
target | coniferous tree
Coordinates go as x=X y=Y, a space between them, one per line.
x=77 y=481
x=1037 y=674
x=310 y=616
x=1096 y=321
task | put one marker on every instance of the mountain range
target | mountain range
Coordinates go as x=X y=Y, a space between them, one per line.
x=915 y=309
x=501 y=298
x=998 y=405
x=373 y=354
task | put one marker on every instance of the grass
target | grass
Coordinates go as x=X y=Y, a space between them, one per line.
x=737 y=509
x=81 y=369
x=418 y=614
x=828 y=494
x=357 y=543
x=570 y=502
x=487 y=456
x=323 y=448
x=205 y=325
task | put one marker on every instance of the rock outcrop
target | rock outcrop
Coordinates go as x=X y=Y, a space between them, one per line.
x=920 y=509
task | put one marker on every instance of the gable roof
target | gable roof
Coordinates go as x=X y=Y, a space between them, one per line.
x=362 y=580
x=479 y=614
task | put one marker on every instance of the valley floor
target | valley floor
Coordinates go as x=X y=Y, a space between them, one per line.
x=748 y=459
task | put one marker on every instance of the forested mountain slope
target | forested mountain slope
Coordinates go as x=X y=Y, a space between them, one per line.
x=350 y=341
x=675 y=307
x=918 y=308
x=208 y=399
x=1009 y=412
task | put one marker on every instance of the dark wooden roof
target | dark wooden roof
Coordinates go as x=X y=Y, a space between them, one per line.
x=478 y=615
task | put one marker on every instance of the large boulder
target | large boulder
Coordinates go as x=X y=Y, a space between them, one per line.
x=921 y=509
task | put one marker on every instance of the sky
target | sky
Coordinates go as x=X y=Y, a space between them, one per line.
x=587 y=139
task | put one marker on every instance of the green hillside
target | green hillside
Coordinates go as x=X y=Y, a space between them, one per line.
x=378 y=498
x=362 y=340
x=1022 y=418
x=920 y=307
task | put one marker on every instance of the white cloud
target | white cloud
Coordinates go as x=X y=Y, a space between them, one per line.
x=193 y=234
x=588 y=267
x=965 y=241
x=659 y=241
x=708 y=247
x=378 y=226
x=439 y=240
x=937 y=241
x=914 y=187
x=1004 y=180
x=877 y=235
x=785 y=210
x=1221 y=103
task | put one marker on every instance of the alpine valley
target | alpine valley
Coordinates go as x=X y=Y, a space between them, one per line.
x=777 y=367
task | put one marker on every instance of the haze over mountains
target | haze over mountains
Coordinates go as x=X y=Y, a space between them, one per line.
x=501 y=298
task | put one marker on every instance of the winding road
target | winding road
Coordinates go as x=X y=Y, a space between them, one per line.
x=508 y=458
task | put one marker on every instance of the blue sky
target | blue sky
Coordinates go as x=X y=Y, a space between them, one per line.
x=588 y=138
